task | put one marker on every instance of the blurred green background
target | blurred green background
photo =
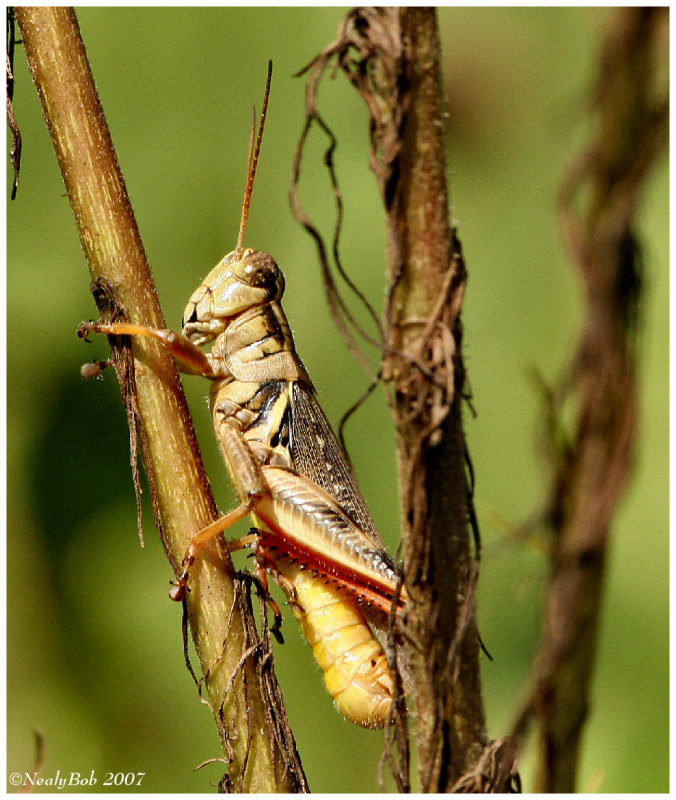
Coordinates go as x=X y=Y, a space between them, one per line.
x=94 y=645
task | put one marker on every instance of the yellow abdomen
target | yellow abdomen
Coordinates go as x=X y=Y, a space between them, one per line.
x=353 y=663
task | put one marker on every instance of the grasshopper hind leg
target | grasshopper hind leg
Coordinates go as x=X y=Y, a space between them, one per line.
x=260 y=581
x=263 y=565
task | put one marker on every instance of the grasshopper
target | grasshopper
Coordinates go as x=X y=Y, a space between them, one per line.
x=312 y=530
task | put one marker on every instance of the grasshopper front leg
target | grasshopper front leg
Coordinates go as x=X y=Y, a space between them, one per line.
x=189 y=357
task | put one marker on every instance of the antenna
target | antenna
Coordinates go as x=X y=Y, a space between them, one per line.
x=252 y=162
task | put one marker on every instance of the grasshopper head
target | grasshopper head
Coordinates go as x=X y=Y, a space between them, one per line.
x=242 y=280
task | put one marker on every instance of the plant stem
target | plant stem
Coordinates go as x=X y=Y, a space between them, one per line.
x=116 y=259
x=427 y=279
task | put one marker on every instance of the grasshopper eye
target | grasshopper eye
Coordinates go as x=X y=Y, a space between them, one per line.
x=260 y=271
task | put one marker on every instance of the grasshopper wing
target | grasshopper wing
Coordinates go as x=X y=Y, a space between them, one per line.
x=316 y=453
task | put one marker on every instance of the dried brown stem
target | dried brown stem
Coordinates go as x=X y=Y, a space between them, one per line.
x=260 y=758
x=427 y=279
x=391 y=56
x=597 y=205
x=15 y=149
